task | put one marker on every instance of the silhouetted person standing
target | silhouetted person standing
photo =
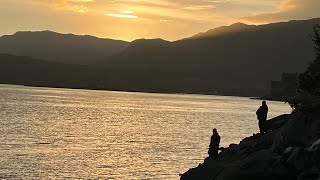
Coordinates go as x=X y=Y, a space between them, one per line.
x=214 y=144
x=262 y=114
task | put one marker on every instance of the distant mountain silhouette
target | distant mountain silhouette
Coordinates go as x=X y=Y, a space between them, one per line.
x=232 y=60
x=143 y=44
x=65 y=48
x=243 y=59
x=223 y=30
x=33 y=72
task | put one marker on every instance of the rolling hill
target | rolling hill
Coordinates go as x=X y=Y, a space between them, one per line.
x=242 y=59
x=64 y=48
x=21 y=70
x=232 y=60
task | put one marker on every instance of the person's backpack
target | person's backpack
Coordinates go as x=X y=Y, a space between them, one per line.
x=259 y=112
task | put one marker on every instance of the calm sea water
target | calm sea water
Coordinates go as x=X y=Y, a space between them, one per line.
x=59 y=133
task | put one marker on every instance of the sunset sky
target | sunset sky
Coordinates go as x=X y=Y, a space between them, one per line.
x=133 y=19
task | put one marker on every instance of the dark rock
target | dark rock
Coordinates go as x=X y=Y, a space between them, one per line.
x=206 y=171
x=277 y=122
x=301 y=130
x=260 y=165
x=305 y=161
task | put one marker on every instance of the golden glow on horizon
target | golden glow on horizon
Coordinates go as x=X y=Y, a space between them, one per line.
x=167 y=19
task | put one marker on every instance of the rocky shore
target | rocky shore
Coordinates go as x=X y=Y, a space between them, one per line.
x=290 y=150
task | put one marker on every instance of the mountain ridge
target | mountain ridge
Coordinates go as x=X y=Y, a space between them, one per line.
x=233 y=28
x=238 y=63
x=57 y=47
x=241 y=60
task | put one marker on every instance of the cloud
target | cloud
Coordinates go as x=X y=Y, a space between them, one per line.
x=289 y=9
x=72 y=5
x=132 y=19
x=199 y=11
x=200 y=7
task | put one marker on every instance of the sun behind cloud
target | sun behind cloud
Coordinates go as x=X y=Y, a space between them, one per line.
x=127 y=12
x=129 y=16
x=123 y=14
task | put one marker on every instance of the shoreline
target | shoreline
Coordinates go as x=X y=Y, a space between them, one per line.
x=269 y=99
x=129 y=91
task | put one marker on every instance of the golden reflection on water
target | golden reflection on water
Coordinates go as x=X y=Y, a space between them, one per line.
x=59 y=133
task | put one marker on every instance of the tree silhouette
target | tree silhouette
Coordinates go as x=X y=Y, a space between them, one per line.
x=309 y=81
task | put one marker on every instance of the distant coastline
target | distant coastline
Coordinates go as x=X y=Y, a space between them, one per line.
x=116 y=90
x=269 y=99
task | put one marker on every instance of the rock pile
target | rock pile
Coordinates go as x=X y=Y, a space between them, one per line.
x=290 y=150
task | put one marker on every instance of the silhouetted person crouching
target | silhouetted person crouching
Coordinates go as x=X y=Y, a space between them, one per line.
x=262 y=114
x=214 y=144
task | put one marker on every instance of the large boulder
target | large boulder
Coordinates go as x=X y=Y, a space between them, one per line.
x=305 y=162
x=301 y=130
x=262 y=165
x=277 y=122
